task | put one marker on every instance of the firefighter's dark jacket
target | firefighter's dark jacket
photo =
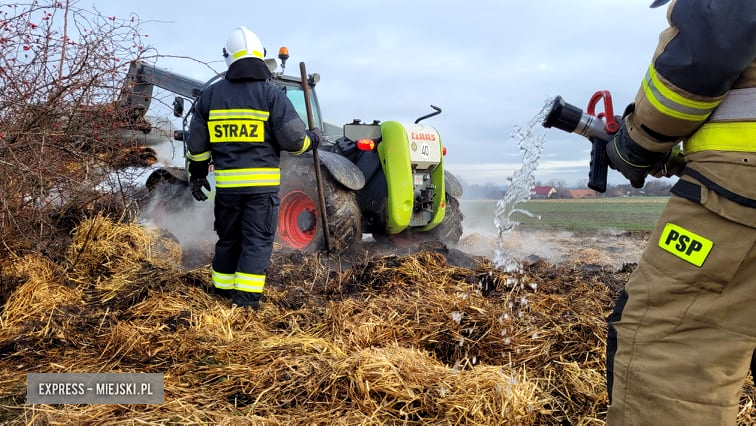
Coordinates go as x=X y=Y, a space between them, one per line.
x=700 y=89
x=242 y=123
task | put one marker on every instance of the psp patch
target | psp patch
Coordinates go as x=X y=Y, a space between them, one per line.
x=685 y=244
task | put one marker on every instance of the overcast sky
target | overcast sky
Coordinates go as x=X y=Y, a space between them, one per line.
x=489 y=65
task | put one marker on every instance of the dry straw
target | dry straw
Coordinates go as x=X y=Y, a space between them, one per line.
x=370 y=340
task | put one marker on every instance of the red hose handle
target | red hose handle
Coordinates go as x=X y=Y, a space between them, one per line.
x=610 y=124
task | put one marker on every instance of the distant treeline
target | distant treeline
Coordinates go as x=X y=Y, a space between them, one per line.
x=653 y=188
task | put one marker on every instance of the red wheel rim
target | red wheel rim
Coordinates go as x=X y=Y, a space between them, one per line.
x=297 y=219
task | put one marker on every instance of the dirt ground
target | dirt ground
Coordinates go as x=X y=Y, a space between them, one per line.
x=605 y=247
x=601 y=248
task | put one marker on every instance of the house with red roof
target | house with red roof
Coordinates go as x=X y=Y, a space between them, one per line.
x=583 y=193
x=542 y=192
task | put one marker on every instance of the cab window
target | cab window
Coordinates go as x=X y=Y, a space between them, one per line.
x=296 y=96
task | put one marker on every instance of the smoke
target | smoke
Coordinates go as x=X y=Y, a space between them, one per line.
x=481 y=234
x=481 y=238
x=171 y=208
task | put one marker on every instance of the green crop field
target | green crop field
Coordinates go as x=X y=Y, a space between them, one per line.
x=624 y=214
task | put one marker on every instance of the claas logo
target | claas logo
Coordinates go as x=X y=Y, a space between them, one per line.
x=423 y=136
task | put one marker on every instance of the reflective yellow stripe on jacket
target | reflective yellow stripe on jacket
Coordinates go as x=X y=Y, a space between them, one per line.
x=305 y=146
x=732 y=127
x=242 y=114
x=202 y=156
x=738 y=137
x=237 y=178
x=672 y=104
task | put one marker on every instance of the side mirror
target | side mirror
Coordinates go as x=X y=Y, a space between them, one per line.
x=178 y=106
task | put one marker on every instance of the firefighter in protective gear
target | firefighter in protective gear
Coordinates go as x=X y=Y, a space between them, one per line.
x=683 y=331
x=242 y=123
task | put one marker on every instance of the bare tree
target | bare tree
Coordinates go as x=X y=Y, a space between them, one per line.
x=558 y=184
x=61 y=71
x=658 y=187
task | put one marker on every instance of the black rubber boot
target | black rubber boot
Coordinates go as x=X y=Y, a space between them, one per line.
x=247 y=299
x=226 y=294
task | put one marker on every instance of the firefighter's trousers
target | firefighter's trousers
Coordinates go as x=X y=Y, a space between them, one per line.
x=246 y=227
x=683 y=333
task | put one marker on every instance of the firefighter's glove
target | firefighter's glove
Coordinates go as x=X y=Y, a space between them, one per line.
x=673 y=164
x=316 y=137
x=196 y=186
x=631 y=159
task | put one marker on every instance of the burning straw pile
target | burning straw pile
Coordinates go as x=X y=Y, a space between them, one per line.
x=389 y=339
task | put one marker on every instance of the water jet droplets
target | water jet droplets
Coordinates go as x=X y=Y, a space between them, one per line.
x=530 y=140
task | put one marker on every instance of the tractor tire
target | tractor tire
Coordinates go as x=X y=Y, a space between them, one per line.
x=299 y=223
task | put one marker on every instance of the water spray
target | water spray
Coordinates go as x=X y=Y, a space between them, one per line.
x=530 y=143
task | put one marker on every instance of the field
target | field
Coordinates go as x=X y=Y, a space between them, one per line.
x=623 y=214
x=607 y=231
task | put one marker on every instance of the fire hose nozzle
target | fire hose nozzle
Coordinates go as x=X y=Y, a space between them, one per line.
x=569 y=118
x=572 y=119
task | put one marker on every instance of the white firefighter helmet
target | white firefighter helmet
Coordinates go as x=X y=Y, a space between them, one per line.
x=242 y=43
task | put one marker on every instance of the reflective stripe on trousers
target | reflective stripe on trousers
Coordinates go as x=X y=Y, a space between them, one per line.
x=251 y=283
